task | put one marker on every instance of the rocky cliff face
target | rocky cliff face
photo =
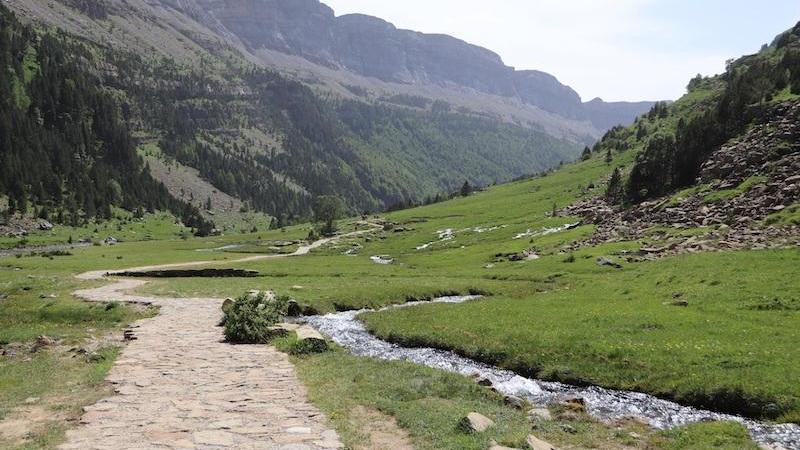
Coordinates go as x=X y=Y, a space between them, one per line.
x=371 y=47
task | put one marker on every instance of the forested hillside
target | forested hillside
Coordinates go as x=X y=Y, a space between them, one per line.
x=676 y=140
x=65 y=150
x=251 y=133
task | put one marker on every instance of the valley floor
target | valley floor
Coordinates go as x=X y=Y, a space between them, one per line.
x=715 y=329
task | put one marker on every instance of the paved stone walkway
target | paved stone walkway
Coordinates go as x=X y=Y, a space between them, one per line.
x=178 y=386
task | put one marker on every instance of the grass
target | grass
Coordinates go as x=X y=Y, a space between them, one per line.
x=788 y=217
x=568 y=321
x=618 y=329
x=52 y=383
x=559 y=317
x=725 y=194
x=428 y=405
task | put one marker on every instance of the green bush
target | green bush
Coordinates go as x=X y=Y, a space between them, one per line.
x=249 y=320
x=308 y=347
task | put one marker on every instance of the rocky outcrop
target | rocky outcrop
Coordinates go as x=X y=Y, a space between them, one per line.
x=740 y=185
x=371 y=47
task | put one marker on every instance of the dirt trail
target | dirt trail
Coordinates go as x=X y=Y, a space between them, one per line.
x=179 y=386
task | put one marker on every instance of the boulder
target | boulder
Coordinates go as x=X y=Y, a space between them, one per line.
x=227 y=305
x=309 y=340
x=293 y=309
x=45 y=225
x=514 y=402
x=493 y=445
x=537 y=414
x=481 y=380
x=43 y=342
x=603 y=261
x=476 y=423
x=535 y=443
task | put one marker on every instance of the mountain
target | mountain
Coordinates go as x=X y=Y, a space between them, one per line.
x=723 y=160
x=354 y=55
x=64 y=146
x=225 y=133
x=350 y=47
x=676 y=141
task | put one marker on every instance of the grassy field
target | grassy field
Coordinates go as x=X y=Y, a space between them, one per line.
x=561 y=316
x=557 y=315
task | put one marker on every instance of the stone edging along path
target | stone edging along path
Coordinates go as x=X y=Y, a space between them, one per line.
x=179 y=386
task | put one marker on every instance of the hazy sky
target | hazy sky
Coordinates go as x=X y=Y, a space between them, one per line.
x=614 y=49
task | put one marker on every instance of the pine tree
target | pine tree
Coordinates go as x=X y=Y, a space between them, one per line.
x=466 y=189
x=615 y=192
x=587 y=154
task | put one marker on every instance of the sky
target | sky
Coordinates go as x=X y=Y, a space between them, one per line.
x=613 y=49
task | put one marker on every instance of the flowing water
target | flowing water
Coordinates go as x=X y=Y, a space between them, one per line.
x=605 y=404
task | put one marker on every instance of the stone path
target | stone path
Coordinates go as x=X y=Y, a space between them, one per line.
x=178 y=386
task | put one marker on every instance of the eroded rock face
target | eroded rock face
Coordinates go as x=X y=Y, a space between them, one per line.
x=372 y=47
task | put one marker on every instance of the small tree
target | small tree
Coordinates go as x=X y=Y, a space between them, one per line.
x=327 y=209
x=609 y=157
x=587 y=154
x=615 y=192
x=466 y=189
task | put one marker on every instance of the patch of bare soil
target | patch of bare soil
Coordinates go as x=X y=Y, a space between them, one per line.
x=381 y=431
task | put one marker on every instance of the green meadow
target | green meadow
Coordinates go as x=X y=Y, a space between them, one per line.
x=558 y=316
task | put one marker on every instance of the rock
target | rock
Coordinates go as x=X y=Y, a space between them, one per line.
x=567 y=428
x=514 y=402
x=603 y=261
x=31 y=400
x=43 y=342
x=576 y=404
x=227 y=305
x=45 y=225
x=3 y=296
x=293 y=309
x=310 y=340
x=382 y=259
x=536 y=414
x=48 y=296
x=110 y=240
x=297 y=288
x=476 y=423
x=128 y=335
x=681 y=303
x=772 y=447
x=535 y=443
x=481 y=380
x=493 y=445
x=94 y=357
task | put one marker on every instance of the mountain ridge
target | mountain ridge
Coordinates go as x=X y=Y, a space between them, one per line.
x=373 y=47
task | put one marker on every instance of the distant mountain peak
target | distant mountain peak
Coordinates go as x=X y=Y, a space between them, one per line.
x=371 y=47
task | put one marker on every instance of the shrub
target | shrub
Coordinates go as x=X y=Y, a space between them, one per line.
x=249 y=320
x=308 y=347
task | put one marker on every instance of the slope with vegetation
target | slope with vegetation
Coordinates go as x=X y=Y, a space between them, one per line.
x=65 y=149
x=257 y=136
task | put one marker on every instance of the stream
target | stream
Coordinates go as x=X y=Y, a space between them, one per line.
x=605 y=404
